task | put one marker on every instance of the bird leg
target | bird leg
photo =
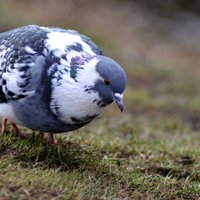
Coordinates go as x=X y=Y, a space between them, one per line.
x=16 y=130
x=3 y=125
x=51 y=139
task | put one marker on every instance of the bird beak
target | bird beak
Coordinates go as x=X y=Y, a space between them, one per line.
x=118 y=98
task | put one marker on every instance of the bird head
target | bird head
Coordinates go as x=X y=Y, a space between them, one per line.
x=90 y=84
x=112 y=82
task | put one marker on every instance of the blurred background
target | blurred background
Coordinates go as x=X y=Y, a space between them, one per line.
x=157 y=42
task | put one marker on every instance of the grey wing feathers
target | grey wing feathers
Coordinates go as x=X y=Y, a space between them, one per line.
x=20 y=62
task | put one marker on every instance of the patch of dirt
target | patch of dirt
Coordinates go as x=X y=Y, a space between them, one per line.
x=4 y=150
x=47 y=193
x=167 y=171
x=185 y=160
x=186 y=196
x=182 y=167
x=175 y=172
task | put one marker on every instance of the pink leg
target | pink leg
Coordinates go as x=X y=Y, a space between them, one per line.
x=16 y=130
x=3 y=125
x=51 y=138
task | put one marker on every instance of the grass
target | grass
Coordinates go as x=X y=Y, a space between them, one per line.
x=149 y=152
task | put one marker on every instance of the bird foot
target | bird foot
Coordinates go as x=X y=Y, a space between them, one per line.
x=52 y=139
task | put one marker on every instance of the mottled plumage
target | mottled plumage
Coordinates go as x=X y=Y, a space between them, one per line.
x=55 y=80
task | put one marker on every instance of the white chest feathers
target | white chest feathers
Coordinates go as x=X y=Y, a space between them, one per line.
x=74 y=98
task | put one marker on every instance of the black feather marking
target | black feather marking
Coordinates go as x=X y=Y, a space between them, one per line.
x=4 y=82
x=85 y=119
x=99 y=102
x=11 y=93
x=89 y=89
x=20 y=96
x=2 y=96
x=92 y=45
x=23 y=76
x=103 y=105
x=51 y=59
x=12 y=67
x=23 y=68
x=75 y=47
x=64 y=56
x=23 y=84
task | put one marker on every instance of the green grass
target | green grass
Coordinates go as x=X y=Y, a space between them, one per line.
x=151 y=151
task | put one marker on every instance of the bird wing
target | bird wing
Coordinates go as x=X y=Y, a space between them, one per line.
x=27 y=51
x=21 y=62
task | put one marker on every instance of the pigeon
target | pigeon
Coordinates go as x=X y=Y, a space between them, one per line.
x=55 y=80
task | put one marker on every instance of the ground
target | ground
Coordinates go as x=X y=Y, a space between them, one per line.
x=151 y=150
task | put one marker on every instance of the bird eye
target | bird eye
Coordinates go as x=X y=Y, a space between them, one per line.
x=107 y=82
